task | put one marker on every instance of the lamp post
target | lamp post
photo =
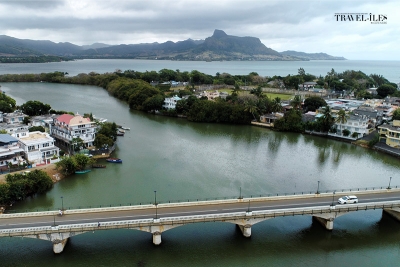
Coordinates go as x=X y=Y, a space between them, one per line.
x=155 y=201
x=390 y=180
x=333 y=198
x=240 y=194
x=62 y=203
x=318 y=188
x=248 y=207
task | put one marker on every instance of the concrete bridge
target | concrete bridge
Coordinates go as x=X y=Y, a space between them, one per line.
x=157 y=218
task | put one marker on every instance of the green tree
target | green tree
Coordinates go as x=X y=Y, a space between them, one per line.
x=66 y=166
x=396 y=114
x=37 y=128
x=296 y=102
x=313 y=103
x=385 y=89
x=82 y=161
x=153 y=103
x=291 y=122
x=251 y=107
x=35 y=108
x=102 y=141
x=341 y=118
x=327 y=120
x=276 y=105
x=76 y=144
x=109 y=130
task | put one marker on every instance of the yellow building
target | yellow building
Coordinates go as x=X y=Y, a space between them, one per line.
x=390 y=133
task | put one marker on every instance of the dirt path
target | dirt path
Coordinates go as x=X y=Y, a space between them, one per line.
x=50 y=169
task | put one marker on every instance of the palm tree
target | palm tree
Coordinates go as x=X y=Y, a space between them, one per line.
x=328 y=120
x=236 y=89
x=276 y=104
x=341 y=118
x=296 y=102
x=252 y=108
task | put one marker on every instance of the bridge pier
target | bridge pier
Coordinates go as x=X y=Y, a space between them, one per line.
x=58 y=245
x=326 y=222
x=156 y=238
x=246 y=229
x=393 y=212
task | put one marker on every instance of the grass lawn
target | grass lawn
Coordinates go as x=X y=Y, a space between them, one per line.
x=281 y=96
x=270 y=95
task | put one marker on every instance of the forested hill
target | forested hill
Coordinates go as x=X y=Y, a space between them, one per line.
x=311 y=56
x=219 y=46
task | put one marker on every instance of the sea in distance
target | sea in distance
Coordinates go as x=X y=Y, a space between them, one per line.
x=184 y=160
x=389 y=69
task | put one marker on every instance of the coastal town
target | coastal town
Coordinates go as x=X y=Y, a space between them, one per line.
x=362 y=120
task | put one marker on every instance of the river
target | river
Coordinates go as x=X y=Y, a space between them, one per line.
x=184 y=160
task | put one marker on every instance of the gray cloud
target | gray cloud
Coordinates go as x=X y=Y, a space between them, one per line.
x=32 y=4
x=282 y=25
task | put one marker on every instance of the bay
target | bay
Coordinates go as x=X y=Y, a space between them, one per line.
x=388 y=69
x=184 y=160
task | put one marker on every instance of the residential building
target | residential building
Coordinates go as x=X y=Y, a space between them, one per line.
x=170 y=102
x=269 y=119
x=16 y=130
x=357 y=125
x=10 y=152
x=390 y=134
x=68 y=128
x=39 y=148
x=44 y=120
x=15 y=117
x=307 y=85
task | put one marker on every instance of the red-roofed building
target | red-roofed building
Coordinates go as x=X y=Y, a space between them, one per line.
x=67 y=128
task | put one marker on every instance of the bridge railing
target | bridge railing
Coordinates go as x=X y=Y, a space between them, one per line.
x=188 y=200
x=181 y=220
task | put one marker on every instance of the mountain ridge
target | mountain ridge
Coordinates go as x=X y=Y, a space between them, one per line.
x=219 y=46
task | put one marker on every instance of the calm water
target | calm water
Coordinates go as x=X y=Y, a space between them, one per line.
x=389 y=69
x=183 y=160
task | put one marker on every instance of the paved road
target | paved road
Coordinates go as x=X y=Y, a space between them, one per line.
x=148 y=213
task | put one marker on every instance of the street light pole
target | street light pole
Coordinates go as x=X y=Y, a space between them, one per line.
x=333 y=198
x=240 y=194
x=62 y=203
x=248 y=208
x=390 y=180
x=155 y=201
x=318 y=188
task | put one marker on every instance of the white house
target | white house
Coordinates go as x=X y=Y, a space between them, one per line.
x=10 y=151
x=67 y=127
x=16 y=130
x=361 y=125
x=170 y=103
x=15 y=117
x=39 y=148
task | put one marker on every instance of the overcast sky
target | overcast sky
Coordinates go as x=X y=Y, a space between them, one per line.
x=307 y=26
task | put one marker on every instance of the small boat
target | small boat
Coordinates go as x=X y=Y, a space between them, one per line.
x=119 y=133
x=98 y=166
x=114 y=160
x=82 y=171
x=125 y=128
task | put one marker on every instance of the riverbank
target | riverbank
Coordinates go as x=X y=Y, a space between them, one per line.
x=50 y=169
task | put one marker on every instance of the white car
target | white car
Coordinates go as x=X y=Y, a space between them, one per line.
x=347 y=199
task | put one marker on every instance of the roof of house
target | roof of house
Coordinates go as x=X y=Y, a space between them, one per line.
x=73 y=120
x=6 y=138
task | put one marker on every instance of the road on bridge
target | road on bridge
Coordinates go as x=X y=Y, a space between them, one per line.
x=189 y=210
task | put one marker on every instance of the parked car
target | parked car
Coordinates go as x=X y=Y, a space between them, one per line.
x=348 y=199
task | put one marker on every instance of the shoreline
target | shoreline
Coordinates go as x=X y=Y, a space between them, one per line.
x=50 y=169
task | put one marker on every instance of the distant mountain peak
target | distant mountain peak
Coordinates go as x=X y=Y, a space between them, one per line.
x=219 y=34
